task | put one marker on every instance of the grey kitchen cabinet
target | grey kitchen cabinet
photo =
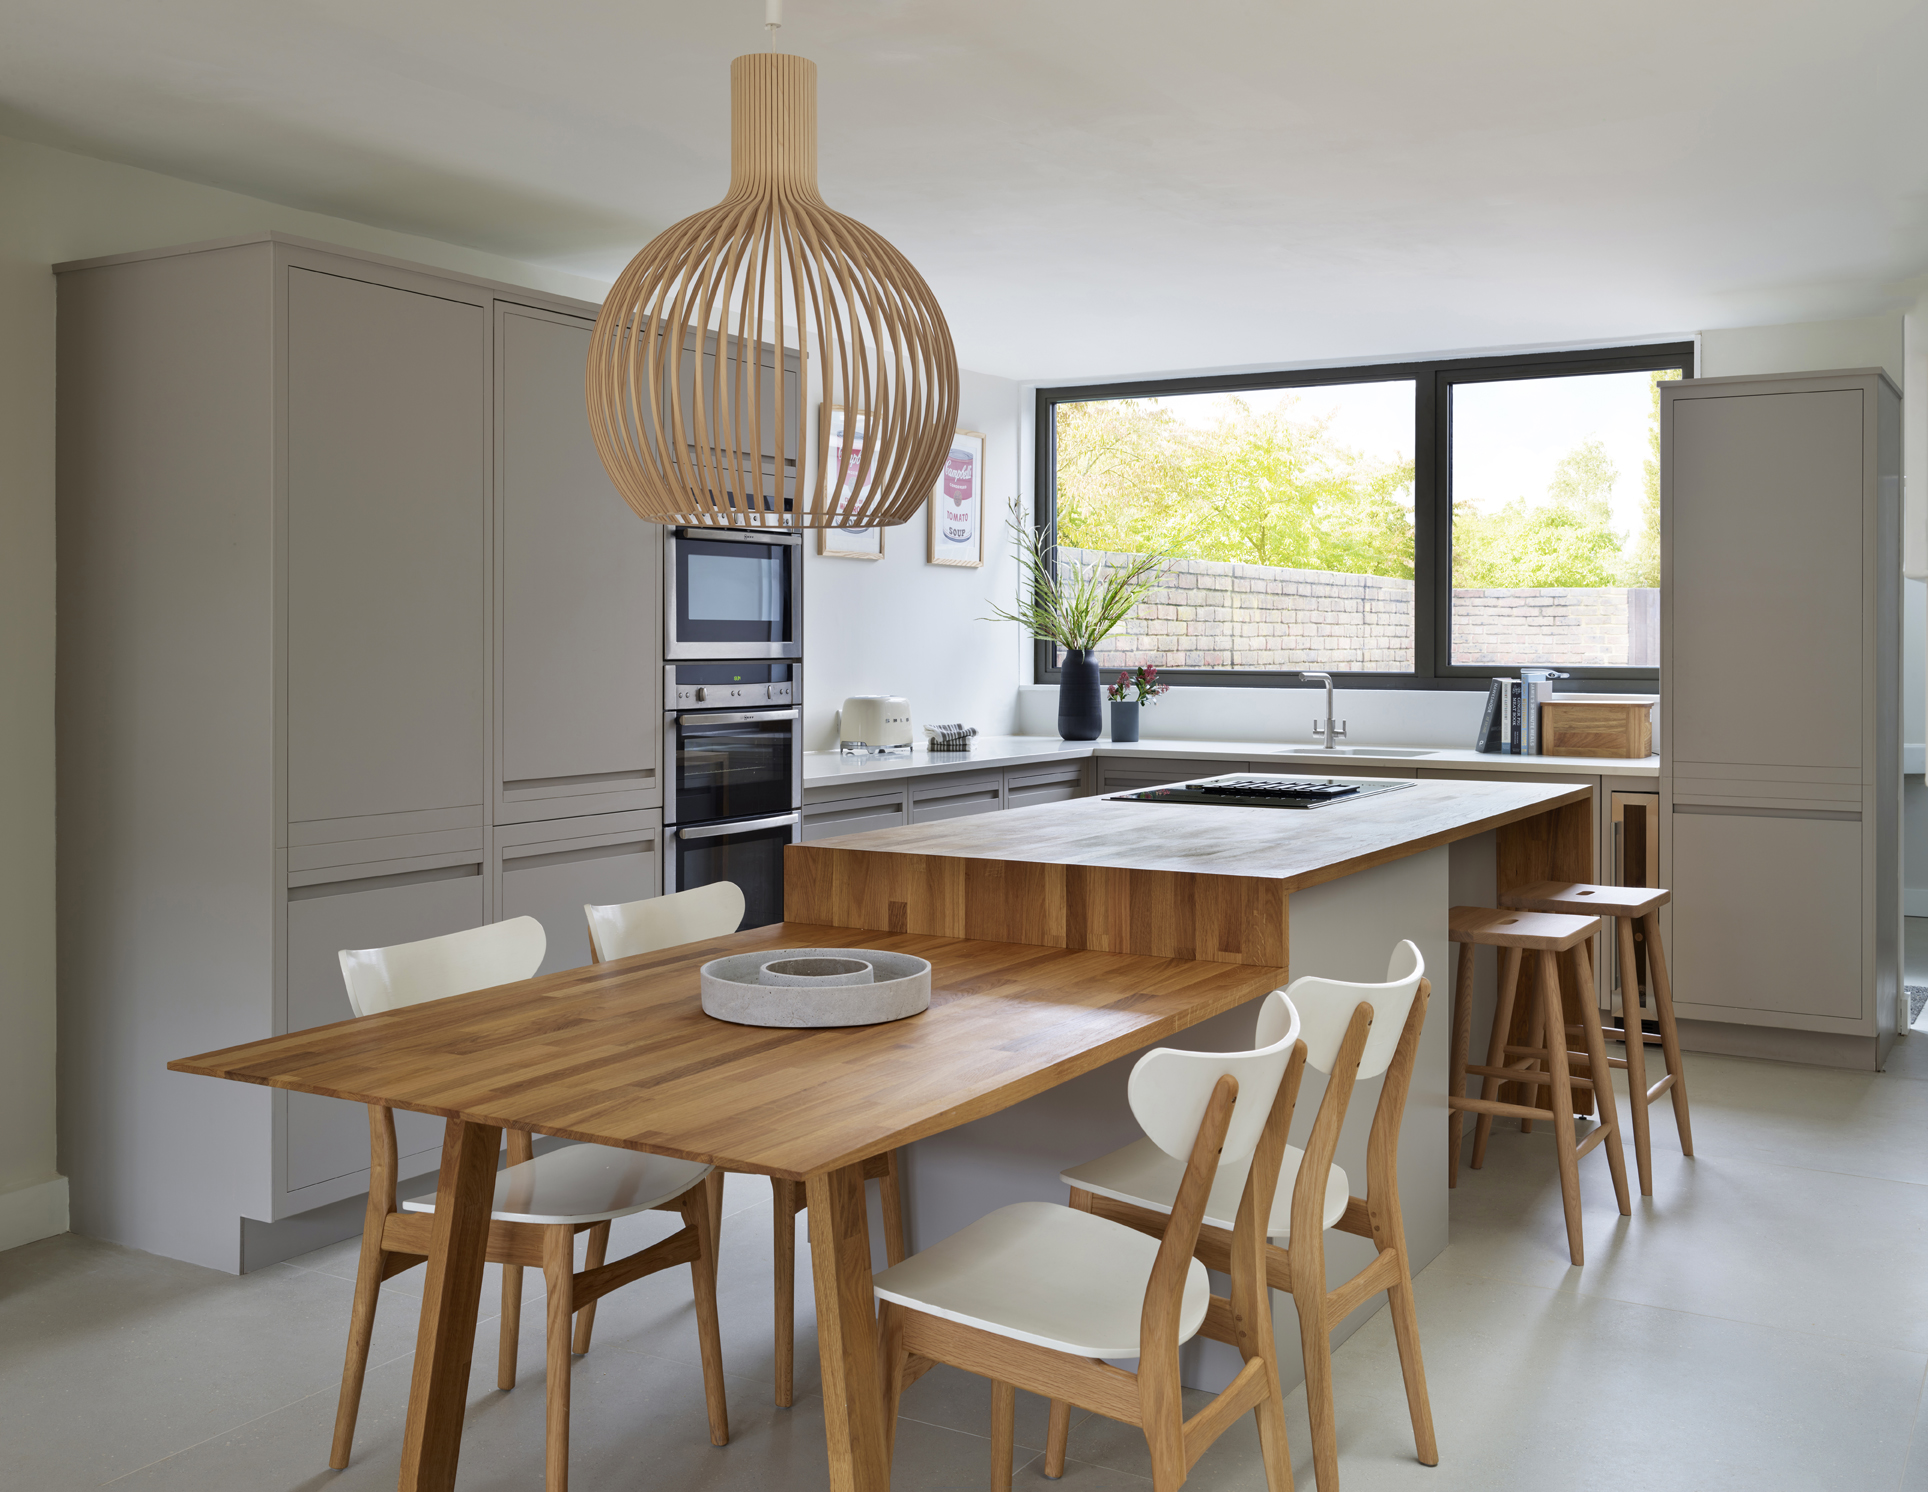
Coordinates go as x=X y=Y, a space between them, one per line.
x=1054 y=782
x=1124 y=774
x=370 y=906
x=386 y=504
x=580 y=605
x=327 y=526
x=552 y=869
x=1780 y=807
x=955 y=795
x=847 y=809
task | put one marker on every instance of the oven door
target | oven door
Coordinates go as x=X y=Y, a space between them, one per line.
x=732 y=595
x=750 y=853
x=732 y=764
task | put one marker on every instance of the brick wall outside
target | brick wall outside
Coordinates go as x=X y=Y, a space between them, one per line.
x=1212 y=614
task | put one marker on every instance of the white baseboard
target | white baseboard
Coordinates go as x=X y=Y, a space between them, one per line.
x=32 y=1212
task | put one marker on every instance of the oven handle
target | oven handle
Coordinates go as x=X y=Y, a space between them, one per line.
x=711 y=831
x=704 y=717
x=745 y=536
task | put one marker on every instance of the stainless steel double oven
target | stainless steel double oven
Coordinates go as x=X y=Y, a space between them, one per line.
x=733 y=707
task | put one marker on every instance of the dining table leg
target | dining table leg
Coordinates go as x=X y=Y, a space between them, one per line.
x=458 y=1252
x=853 y=1399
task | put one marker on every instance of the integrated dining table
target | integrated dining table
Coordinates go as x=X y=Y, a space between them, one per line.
x=1061 y=938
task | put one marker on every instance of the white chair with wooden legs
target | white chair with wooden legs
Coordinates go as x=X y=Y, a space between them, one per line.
x=1037 y=1296
x=714 y=911
x=1350 y=1031
x=541 y=1202
x=1623 y=907
x=1543 y=1061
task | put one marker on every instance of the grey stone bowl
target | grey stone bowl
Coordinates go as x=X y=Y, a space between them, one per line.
x=733 y=991
x=815 y=972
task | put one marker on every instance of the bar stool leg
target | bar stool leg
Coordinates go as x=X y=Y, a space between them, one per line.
x=1564 y=1144
x=1669 y=1036
x=1606 y=1107
x=1537 y=1038
x=1462 y=1038
x=1630 y=1024
x=1496 y=1047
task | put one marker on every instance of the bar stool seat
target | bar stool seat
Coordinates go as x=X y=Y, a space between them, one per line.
x=1546 y=936
x=1625 y=906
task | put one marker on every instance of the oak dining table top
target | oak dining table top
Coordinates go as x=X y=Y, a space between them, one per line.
x=622 y=1054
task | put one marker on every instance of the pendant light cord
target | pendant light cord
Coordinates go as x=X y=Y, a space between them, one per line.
x=772 y=20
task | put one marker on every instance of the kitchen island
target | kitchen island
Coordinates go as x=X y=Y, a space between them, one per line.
x=1328 y=890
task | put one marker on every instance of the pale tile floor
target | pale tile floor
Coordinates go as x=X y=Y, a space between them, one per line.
x=1761 y=1323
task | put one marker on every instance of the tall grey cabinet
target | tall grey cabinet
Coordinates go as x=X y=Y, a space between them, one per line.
x=1780 y=713
x=357 y=646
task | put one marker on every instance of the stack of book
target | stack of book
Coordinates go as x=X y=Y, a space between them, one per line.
x=1511 y=724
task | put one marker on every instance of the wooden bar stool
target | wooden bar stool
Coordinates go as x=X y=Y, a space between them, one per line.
x=1624 y=906
x=1548 y=935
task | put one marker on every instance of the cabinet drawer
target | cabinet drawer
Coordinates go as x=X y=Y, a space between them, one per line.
x=853 y=815
x=1767 y=914
x=327 y=1137
x=1128 y=774
x=953 y=797
x=552 y=880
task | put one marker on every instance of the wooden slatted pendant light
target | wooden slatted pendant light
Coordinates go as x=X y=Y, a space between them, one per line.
x=692 y=432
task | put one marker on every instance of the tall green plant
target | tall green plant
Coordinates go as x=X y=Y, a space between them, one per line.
x=1074 y=605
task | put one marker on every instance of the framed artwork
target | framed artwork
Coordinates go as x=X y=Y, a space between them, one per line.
x=956 y=507
x=842 y=433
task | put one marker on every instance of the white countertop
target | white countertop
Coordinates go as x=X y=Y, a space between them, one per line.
x=824 y=768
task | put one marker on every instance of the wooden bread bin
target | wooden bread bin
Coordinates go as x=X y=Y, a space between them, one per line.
x=1619 y=725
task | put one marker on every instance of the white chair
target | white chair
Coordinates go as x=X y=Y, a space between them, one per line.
x=1035 y=1296
x=714 y=911
x=1351 y=1032
x=541 y=1202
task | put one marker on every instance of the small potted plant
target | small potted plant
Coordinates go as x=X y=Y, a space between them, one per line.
x=1076 y=606
x=1128 y=696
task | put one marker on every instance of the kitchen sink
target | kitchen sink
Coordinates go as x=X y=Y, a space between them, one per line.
x=1353 y=751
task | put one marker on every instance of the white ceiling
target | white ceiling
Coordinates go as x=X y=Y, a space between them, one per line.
x=1091 y=189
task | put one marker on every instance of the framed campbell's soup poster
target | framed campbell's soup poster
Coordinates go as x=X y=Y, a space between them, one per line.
x=843 y=436
x=957 y=506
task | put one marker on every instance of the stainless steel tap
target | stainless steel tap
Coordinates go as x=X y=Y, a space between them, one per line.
x=1331 y=729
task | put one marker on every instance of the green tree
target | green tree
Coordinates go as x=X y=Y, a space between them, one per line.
x=1262 y=487
x=1566 y=539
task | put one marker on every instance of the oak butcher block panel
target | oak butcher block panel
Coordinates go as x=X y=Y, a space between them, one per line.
x=1610 y=725
x=622 y=1054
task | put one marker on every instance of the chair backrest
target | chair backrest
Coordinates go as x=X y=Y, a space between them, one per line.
x=482 y=957
x=632 y=927
x=1324 y=1008
x=1170 y=1089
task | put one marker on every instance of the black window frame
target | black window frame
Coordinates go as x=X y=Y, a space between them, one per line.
x=1433 y=381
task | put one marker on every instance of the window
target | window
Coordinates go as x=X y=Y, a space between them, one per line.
x=1408 y=525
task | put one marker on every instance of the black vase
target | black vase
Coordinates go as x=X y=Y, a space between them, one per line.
x=1080 y=700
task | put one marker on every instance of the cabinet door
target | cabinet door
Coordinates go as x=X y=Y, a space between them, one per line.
x=1764 y=502
x=827 y=820
x=1125 y=774
x=387 y=502
x=326 y=1136
x=955 y=796
x=1767 y=914
x=553 y=882
x=581 y=601
x=1026 y=786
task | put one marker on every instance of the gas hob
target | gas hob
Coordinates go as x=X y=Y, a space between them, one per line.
x=1268 y=790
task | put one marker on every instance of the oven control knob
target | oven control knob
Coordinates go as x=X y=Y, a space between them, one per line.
x=701 y=695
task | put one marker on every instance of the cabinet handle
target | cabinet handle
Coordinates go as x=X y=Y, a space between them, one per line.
x=543 y=858
x=379 y=883
x=712 y=831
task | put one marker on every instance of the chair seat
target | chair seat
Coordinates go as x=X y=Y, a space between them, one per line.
x=1041 y=1273
x=584 y=1184
x=1496 y=927
x=1588 y=900
x=1144 y=1174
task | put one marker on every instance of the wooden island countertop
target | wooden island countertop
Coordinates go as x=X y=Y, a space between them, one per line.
x=1168 y=880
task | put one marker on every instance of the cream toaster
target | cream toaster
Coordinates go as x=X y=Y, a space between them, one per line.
x=880 y=722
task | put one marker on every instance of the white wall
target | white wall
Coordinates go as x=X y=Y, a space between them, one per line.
x=1803 y=347
x=60 y=206
x=902 y=626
